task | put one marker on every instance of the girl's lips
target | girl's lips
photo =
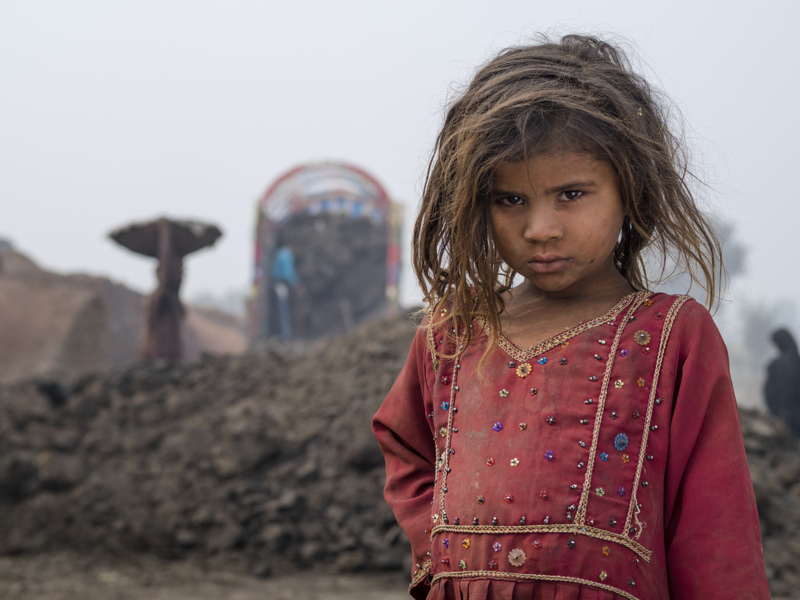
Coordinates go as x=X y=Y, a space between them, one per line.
x=547 y=264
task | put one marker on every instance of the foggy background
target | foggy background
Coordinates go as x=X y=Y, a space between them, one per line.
x=153 y=481
x=118 y=111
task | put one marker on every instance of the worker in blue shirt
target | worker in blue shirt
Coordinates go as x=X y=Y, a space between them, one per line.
x=284 y=278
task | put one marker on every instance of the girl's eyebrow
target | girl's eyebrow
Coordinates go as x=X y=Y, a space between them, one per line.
x=571 y=185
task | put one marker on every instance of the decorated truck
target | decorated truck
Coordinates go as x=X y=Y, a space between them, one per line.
x=327 y=253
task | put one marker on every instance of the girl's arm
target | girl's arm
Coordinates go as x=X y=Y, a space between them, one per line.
x=404 y=433
x=712 y=534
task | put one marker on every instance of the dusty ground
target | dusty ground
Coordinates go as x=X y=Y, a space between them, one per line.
x=65 y=576
x=227 y=477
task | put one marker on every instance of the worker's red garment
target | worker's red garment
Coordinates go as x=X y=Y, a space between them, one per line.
x=606 y=462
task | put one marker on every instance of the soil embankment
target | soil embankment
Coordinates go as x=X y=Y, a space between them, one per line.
x=260 y=464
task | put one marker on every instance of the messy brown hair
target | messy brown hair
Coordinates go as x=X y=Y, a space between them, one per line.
x=580 y=94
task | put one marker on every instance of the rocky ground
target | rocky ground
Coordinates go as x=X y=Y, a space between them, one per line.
x=67 y=576
x=240 y=475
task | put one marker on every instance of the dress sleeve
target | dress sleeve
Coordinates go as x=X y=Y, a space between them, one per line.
x=712 y=535
x=405 y=435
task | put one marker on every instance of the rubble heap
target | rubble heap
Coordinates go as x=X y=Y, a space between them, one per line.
x=262 y=462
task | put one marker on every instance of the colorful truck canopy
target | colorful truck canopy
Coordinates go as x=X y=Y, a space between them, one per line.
x=334 y=226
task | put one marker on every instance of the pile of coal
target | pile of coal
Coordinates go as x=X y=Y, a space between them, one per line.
x=341 y=264
x=774 y=459
x=263 y=462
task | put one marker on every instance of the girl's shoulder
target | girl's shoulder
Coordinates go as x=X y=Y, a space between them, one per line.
x=681 y=327
x=681 y=309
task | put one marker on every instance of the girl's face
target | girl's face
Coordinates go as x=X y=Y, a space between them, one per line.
x=556 y=220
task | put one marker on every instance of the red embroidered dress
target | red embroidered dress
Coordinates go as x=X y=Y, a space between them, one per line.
x=606 y=462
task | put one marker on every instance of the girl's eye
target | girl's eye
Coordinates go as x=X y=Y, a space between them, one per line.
x=569 y=195
x=509 y=200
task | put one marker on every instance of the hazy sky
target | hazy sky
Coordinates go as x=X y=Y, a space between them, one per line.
x=125 y=110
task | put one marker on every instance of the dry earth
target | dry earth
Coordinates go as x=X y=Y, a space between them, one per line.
x=65 y=576
x=254 y=476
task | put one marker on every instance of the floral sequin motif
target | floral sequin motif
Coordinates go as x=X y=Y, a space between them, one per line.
x=504 y=393
x=537 y=544
x=463 y=564
x=445 y=405
x=618 y=384
x=621 y=491
x=497 y=426
x=603 y=576
x=542 y=361
x=534 y=391
x=600 y=491
x=493 y=566
x=524 y=370
x=624 y=352
x=466 y=544
x=604 y=456
x=512 y=364
x=480 y=500
x=626 y=458
x=640 y=382
x=497 y=546
x=516 y=557
x=641 y=337
x=563 y=361
x=443 y=432
x=523 y=426
x=549 y=455
x=647 y=302
x=514 y=462
x=606 y=550
x=543 y=495
x=445 y=380
x=489 y=462
x=509 y=498
x=621 y=442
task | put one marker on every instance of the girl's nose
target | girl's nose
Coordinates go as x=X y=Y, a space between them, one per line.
x=542 y=225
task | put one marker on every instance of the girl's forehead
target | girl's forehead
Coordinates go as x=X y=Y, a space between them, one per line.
x=551 y=163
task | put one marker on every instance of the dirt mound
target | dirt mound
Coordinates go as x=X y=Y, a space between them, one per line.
x=73 y=325
x=258 y=462
x=774 y=459
x=341 y=265
x=262 y=460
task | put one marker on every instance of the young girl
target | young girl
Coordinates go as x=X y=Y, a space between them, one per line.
x=575 y=436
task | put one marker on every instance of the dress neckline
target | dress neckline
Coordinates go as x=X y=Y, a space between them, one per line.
x=523 y=354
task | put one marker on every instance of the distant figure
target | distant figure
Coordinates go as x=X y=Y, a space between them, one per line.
x=284 y=279
x=164 y=313
x=782 y=390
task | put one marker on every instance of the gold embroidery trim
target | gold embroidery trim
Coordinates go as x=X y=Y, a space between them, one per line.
x=448 y=439
x=533 y=576
x=423 y=572
x=592 y=532
x=580 y=515
x=633 y=509
x=521 y=355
